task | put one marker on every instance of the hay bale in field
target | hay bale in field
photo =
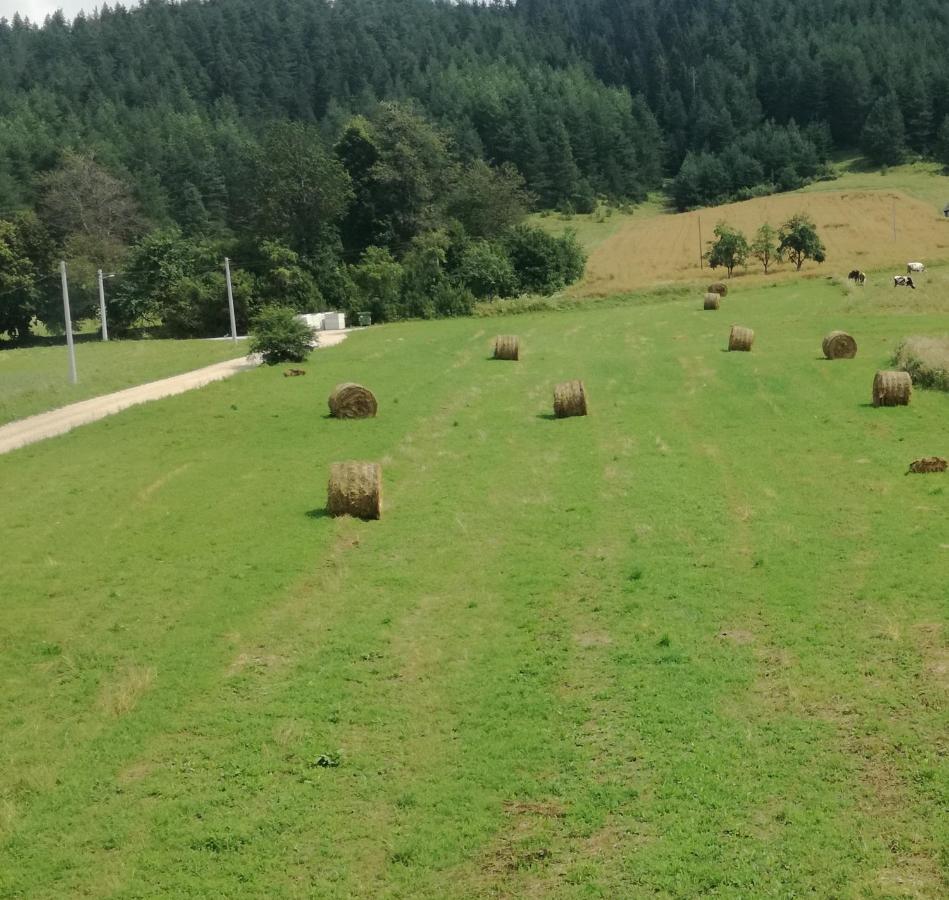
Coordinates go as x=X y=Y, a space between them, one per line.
x=507 y=346
x=352 y=401
x=928 y=464
x=892 y=388
x=839 y=345
x=740 y=338
x=712 y=301
x=355 y=489
x=719 y=288
x=570 y=399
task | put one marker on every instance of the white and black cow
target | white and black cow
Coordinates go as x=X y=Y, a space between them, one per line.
x=857 y=276
x=915 y=267
x=903 y=281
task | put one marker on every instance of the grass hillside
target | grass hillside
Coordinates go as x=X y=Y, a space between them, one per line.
x=854 y=213
x=36 y=379
x=694 y=643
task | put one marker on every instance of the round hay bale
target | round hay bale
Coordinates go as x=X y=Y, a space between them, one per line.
x=719 y=288
x=839 y=345
x=712 y=301
x=355 y=489
x=507 y=346
x=352 y=401
x=740 y=338
x=570 y=399
x=892 y=388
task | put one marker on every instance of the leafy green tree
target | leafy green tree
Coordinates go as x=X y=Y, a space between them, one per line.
x=279 y=336
x=20 y=283
x=302 y=191
x=764 y=247
x=543 y=263
x=286 y=281
x=729 y=249
x=884 y=139
x=378 y=279
x=486 y=271
x=486 y=200
x=799 y=241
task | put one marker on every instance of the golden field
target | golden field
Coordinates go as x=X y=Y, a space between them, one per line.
x=855 y=225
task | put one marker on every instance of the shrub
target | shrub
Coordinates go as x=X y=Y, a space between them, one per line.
x=487 y=272
x=544 y=263
x=279 y=336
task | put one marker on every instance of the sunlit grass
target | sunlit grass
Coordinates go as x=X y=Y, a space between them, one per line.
x=691 y=644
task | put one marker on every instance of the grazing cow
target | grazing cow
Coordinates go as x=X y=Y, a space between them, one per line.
x=857 y=276
x=903 y=281
x=915 y=267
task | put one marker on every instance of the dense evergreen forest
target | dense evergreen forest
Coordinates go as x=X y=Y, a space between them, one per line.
x=381 y=154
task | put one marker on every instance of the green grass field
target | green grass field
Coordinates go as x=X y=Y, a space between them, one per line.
x=36 y=379
x=693 y=644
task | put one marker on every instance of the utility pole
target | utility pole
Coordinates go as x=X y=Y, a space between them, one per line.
x=701 y=245
x=73 y=377
x=105 y=324
x=230 y=299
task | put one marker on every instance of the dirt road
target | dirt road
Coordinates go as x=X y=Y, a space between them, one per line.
x=59 y=421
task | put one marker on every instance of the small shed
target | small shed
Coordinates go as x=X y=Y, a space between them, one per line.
x=334 y=321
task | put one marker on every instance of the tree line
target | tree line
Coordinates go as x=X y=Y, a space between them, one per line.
x=534 y=103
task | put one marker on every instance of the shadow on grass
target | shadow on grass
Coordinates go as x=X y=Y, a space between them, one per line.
x=550 y=417
x=320 y=513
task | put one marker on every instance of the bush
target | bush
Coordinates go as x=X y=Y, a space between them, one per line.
x=487 y=272
x=279 y=336
x=544 y=263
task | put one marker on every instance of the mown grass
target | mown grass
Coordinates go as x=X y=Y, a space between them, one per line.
x=694 y=643
x=36 y=379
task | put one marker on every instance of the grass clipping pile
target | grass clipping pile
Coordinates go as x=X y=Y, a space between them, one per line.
x=892 y=389
x=355 y=489
x=352 y=401
x=839 y=345
x=570 y=399
x=712 y=301
x=507 y=346
x=740 y=338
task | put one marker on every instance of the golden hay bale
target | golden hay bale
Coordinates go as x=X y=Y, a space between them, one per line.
x=352 y=401
x=719 y=288
x=570 y=399
x=507 y=346
x=355 y=489
x=839 y=345
x=928 y=464
x=740 y=338
x=712 y=301
x=892 y=388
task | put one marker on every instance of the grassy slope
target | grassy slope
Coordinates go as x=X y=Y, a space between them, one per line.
x=692 y=643
x=37 y=379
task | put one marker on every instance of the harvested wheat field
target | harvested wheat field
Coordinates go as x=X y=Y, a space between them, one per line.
x=856 y=227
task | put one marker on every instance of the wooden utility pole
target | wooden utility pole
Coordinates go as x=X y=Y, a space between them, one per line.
x=701 y=245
